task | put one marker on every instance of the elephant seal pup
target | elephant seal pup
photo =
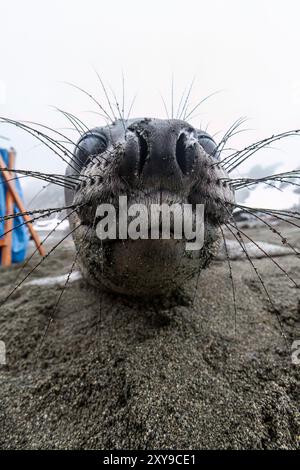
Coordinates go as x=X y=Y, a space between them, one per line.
x=151 y=161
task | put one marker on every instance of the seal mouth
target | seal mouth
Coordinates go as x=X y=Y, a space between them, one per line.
x=155 y=214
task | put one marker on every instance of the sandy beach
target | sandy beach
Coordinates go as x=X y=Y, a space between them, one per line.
x=113 y=373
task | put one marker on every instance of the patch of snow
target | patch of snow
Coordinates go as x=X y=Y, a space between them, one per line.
x=52 y=224
x=235 y=250
x=55 y=280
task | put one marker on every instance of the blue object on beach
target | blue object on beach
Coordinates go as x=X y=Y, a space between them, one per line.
x=20 y=235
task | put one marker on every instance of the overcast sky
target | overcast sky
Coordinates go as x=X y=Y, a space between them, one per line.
x=249 y=51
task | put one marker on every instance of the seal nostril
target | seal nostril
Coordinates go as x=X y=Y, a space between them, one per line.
x=143 y=147
x=181 y=154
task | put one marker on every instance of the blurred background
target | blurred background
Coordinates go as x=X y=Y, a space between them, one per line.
x=246 y=52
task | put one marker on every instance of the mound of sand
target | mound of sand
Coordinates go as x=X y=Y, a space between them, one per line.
x=115 y=374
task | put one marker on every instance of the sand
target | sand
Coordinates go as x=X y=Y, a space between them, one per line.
x=112 y=373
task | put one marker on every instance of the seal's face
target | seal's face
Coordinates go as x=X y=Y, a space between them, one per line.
x=150 y=161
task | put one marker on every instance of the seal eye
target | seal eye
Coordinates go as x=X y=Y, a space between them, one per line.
x=91 y=143
x=208 y=144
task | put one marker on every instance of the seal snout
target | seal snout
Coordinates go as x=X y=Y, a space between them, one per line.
x=153 y=163
x=159 y=153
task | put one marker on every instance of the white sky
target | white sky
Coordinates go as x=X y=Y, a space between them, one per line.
x=249 y=50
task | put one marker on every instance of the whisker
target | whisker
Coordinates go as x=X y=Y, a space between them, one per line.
x=230 y=133
x=38 y=194
x=52 y=178
x=2 y=183
x=189 y=115
x=52 y=315
x=283 y=239
x=180 y=103
x=267 y=255
x=231 y=278
x=172 y=96
x=43 y=242
x=131 y=106
x=38 y=211
x=30 y=221
x=123 y=95
x=76 y=123
x=92 y=98
x=106 y=95
x=165 y=106
x=274 y=212
x=277 y=313
x=68 y=140
x=119 y=111
x=231 y=162
x=288 y=177
x=40 y=136
x=2 y=302
x=186 y=100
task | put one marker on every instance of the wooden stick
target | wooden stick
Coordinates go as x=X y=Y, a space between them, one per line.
x=6 y=254
x=21 y=208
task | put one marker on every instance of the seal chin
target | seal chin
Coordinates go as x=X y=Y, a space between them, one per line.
x=143 y=267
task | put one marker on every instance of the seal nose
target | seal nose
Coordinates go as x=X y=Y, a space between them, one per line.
x=159 y=152
x=186 y=150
